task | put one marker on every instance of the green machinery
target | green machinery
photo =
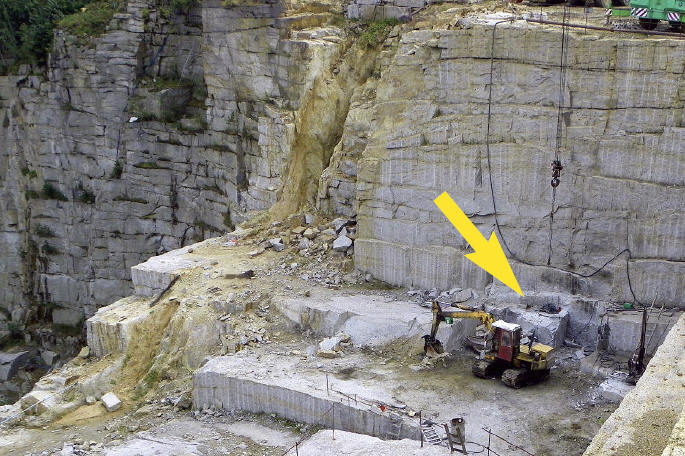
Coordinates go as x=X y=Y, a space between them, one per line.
x=650 y=12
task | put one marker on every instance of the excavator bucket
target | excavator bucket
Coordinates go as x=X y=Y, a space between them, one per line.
x=432 y=346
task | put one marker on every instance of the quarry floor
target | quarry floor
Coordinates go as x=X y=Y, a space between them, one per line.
x=557 y=417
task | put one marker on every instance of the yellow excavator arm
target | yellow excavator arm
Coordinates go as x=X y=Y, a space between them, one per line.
x=439 y=315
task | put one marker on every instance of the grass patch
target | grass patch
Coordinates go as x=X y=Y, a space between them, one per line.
x=52 y=192
x=129 y=199
x=48 y=249
x=147 y=165
x=182 y=6
x=376 y=32
x=117 y=171
x=44 y=231
x=151 y=378
x=93 y=20
x=160 y=83
x=85 y=196
x=28 y=172
x=31 y=194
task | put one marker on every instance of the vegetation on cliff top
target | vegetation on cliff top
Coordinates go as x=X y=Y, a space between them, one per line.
x=376 y=32
x=26 y=28
x=92 y=20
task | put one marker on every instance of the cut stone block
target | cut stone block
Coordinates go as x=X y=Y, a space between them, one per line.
x=277 y=385
x=624 y=331
x=111 y=402
x=38 y=402
x=110 y=329
x=614 y=390
x=153 y=276
x=11 y=362
x=372 y=320
x=548 y=328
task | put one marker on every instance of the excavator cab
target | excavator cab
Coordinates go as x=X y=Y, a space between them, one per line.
x=507 y=340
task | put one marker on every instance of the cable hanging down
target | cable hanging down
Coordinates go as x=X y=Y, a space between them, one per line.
x=502 y=239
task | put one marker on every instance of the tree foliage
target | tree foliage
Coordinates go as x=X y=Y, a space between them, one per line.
x=26 y=27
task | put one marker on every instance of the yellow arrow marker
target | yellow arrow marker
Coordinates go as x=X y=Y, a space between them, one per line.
x=487 y=254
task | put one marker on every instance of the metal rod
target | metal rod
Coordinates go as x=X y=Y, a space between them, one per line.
x=508 y=442
x=489 y=437
x=607 y=29
x=327 y=392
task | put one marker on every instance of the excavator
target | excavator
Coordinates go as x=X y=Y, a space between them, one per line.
x=502 y=353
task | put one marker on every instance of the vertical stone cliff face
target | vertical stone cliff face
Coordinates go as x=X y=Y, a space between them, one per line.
x=85 y=193
x=259 y=106
x=624 y=174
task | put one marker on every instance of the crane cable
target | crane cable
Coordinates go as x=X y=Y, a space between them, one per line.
x=556 y=163
x=494 y=201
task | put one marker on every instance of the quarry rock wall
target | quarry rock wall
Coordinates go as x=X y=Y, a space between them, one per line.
x=159 y=133
x=165 y=131
x=623 y=178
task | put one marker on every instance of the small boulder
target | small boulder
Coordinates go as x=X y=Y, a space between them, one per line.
x=462 y=296
x=11 y=362
x=38 y=402
x=308 y=219
x=111 y=402
x=277 y=244
x=85 y=352
x=310 y=233
x=614 y=390
x=330 y=354
x=304 y=244
x=342 y=244
x=49 y=357
x=256 y=252
x=338 y=223
x=299 y=230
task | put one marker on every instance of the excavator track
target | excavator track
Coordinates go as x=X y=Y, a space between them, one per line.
x=484 y=368
x=515 y=378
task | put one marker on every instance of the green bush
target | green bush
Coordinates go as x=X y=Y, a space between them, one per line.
x=44 y=231
x=182 y=6
x=93 y=20
x=86 y=196
x=26 y=28
x=29 y=172
x=117 y=171
x=376 y=32
x=51 y=192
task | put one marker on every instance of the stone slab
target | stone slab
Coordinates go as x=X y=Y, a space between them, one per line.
x=109 y=330
x=624 y=330
x=111 y=402
x=272 y=384
x=11 y=362
x=154 y=275
x=371 y=320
